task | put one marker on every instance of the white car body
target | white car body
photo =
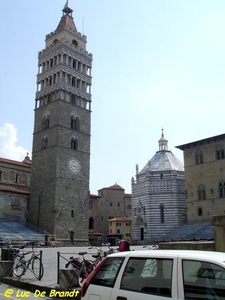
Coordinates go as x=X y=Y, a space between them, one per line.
x=158 y=275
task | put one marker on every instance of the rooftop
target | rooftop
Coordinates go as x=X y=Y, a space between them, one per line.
x=122 y=219
x=163 y=159
x=114 y=187
x=25 y=163
x=203 y=141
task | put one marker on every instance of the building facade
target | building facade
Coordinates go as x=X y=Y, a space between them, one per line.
x=204 y=163
x=59 y=190
x=120 y=228
x=158 y=196
x=14 y=189
x=111 y=202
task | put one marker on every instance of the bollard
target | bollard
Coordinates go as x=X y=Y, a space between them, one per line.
x=68 y=279
x=6 y=269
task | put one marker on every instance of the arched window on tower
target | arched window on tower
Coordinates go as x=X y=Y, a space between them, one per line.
x=74 y=142
x=222 y=189
x=75 y=123
x=72 y=213
x=45 y=120
x=55 y=42
x=44 y=141
x=75 y=43
x=198 y=157
x=91 y=223
x=201 y=192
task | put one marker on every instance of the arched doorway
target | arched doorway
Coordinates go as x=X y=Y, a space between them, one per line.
x=72 y=236
x=91 y=223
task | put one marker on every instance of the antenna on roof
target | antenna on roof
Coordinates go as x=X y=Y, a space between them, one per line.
x=83 y=25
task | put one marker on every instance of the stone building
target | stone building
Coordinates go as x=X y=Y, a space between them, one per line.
x=59 y=190
x=110 y=203
x=204 y=162
x=14 y=189
x=158 y=196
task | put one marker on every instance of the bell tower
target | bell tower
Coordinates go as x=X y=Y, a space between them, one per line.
x=59 y=189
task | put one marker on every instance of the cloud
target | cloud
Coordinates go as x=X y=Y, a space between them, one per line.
x=8 y=140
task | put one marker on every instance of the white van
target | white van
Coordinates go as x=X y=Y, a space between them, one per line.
x=158 y=275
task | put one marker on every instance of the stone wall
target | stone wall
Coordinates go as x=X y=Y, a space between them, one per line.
x=219 y=232
x=192 y=245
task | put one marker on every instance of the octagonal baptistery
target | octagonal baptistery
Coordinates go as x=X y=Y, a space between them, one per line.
x=158 y=196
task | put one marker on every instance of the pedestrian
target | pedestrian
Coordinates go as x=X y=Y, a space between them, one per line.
x=124 y=245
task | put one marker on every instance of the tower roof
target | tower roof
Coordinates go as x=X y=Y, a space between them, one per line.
x=67 y=21
x=68 y=8
x=163 y=160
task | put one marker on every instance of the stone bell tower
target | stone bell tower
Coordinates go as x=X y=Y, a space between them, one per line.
x=59 y=191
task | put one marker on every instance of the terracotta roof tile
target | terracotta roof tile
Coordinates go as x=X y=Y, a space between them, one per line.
x=121 y=219
x=94 y=196
x=14 y=162
x=14 y=189
x=115 y=187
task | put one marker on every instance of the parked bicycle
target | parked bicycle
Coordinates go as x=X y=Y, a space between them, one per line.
x=22 y=263
x=85 y=266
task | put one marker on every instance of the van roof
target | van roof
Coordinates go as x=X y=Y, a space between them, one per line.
x=213 y=255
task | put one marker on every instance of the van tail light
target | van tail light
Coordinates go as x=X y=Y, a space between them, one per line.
x=89 y=278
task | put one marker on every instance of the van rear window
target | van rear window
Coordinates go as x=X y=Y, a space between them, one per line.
x=203 y=280
x=107 y=274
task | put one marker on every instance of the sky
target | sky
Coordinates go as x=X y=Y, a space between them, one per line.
x=156 y=64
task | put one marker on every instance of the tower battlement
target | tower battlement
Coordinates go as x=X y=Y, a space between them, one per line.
x=51 y=34
x=70 y=45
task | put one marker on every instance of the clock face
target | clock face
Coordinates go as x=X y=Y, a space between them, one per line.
x=74 y=166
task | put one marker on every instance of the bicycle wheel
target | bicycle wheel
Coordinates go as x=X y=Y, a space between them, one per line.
x=19 y=266
x=86 y=268
x=37 y=268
